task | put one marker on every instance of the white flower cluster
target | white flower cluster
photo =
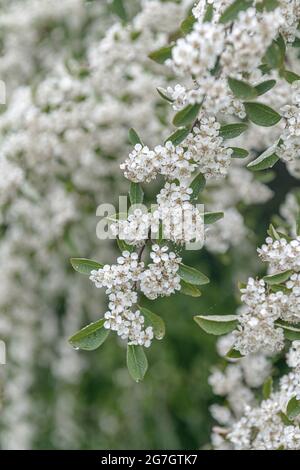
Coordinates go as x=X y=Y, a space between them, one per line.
x=160 y=278
x=281 y=254
x=203 y=149
x=289 y=144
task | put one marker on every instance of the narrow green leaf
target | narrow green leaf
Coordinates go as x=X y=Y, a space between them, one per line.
x=85 y=266
x=212 y=217
x=293 y=408
x=267 y=388
x=188 y=24
x=134 y=138
x=136 y=194
x=209 y=13
x=266 y=160
x=274 y=56
x=189 y=289
x=234 y=9
x=278 y=278
x=123 y=246
x=272 y=232
x=267 y=5
x=261 y=114
x=229 y=131
x=291 y=333
x=290 y=76
x=161 y=55
x=234 y=354
x=186 y=115
x=155 y=321
x=265 y=176
x=90 y=337
x=197 y=185
x=118 y=8
x=239 y=153
x=137 y=362
x=265 y=86
x=217 y=324
x=178 y=136
x=241 y=89
x=163 y=94
x=286 y=421
x=192 y=275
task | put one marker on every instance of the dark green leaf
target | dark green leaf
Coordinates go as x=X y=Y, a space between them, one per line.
x=123 y=246
x=133 y=137
x=209 y=13
x=291 y=332
x=217 y=324
x=155 y=321
x=136 y=362
x=90 y=337
x=163 y=94
x=293 y=408
x=261 y=114
x=161 y=55
x=234 y=9
x=118 y=8
x=192 y=275
x=197 y=185
x=274 y=56
x=136 y=194
x=265 y=86
x=234 y=354
x=186 y=115
x=188 y=24
x=178 y=136
x=266 y=160
x=212 y=217
x=290 y=76
x=189 y=289
x=85 y=266
x=229 y=131
x=239 y=153
x=241 y=89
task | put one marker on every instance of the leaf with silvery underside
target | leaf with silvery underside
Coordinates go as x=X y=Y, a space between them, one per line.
x=137 y=362
x=84 y=265
x=217 y=324
x=154 y=320
x=192 y=275
x=278 y=278
x=266 y=160
x=189 y=289
x=90 y=337
x=134 y=137
x=164 y=95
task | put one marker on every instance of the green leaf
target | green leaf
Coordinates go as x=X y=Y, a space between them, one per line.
x=267 y=5
x=290 y=76
x=286 y=421
x=118 y=8
x=265 y=86
x=209 y=13
x=261 y=114
x=293 y=408
x=123 y=246
x=266 y=160
x=267 y=388
x=291 y=332
x=162 y=93
x=188 y=24
x=178 y=136
x=189 y=289
x=274 y=56
x=155 y=321
x=192 y=275
x=90 y=337
x=241 y=89
x=239 y=153
x=278 y=278
x=134 y=138
x=217 y=324
x=272 y=232
x=161 y=55
x=85 y=266
x=212 y=217
x=197 y=185
x=265 y=176
x=186 y=115
x=137 y=363
x=229 y=131
x=136 y=194
x=234 y=9
x=233 y=354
